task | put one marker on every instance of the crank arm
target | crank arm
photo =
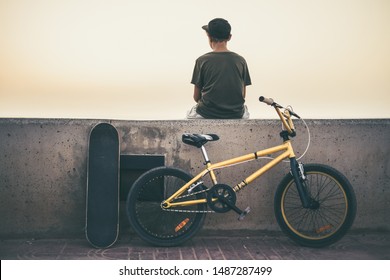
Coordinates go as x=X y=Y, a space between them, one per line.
x=231 y=205
x=241 y=213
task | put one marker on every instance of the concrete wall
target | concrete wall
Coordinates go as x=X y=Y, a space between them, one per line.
x=43 y=167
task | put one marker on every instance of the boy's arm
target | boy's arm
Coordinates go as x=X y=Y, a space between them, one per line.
x=197 y=93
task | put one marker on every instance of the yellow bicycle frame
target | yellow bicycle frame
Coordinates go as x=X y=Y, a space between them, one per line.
x=286 y=148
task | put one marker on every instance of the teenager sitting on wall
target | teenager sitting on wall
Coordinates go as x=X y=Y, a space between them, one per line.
x=220 y=78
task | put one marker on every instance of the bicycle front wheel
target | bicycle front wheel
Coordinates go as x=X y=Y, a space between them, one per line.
x=158 y=226
x=332 y=211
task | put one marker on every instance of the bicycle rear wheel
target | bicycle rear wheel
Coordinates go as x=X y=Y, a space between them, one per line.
x=332 y=211
x=158 y=226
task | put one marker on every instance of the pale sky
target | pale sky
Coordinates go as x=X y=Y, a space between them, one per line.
x=133 y=60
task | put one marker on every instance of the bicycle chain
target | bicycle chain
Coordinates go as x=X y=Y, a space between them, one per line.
x=188 y=211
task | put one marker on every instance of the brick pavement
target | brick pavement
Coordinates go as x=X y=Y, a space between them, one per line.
x=226 y=246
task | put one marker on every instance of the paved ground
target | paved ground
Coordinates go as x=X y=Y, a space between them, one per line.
x=262 y=245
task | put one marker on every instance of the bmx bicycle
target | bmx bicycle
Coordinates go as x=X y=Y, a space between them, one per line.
x=314 y=204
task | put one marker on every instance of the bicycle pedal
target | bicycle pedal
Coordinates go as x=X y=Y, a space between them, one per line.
x=244 y=213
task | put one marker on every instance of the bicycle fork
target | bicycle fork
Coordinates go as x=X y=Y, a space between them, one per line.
x=298 y=173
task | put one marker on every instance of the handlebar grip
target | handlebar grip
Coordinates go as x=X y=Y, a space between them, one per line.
x=268 y=101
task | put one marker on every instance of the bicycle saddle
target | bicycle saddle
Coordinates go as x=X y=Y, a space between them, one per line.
x=198 y=140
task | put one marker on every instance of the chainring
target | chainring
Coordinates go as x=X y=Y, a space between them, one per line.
x=215 y=196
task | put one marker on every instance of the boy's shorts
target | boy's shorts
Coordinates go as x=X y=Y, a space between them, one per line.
x=192 y=114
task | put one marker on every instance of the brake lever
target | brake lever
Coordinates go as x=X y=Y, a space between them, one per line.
x=293 y=114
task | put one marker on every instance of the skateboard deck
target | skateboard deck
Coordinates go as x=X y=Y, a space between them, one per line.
x=102 y=205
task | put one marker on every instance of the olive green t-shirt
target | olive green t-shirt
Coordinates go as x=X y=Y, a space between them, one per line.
x=221 y=77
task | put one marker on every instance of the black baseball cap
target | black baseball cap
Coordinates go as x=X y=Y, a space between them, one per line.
x=218 y=28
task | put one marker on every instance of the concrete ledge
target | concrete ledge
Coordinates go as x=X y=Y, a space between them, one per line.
x=43 y=167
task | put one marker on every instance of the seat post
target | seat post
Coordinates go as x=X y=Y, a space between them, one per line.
x=205 y=156
x=208 y=164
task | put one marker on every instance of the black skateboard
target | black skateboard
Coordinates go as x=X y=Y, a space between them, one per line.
x=102 y=217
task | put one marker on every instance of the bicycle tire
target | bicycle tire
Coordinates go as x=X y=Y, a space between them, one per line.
x=150 y=221
x=333 y=215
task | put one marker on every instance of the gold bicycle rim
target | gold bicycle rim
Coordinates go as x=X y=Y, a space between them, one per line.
x=307 y=236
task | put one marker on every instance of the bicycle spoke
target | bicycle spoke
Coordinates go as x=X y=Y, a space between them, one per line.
x=331 y=211
x=155 y=224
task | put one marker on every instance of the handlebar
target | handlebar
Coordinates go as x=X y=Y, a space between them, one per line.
x=284 y=116
x=268 y=101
